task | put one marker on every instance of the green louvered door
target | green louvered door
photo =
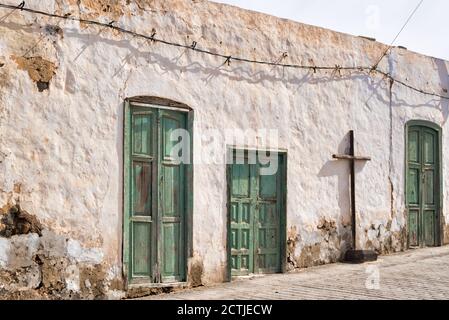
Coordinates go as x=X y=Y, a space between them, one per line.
x=154 y=225
x=423 y=186
x=255 y=219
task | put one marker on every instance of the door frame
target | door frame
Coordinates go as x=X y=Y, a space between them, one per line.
x=427 y=124
x=283 y=207
x=151 y=102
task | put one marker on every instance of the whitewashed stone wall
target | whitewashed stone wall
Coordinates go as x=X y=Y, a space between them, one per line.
x=61 y=147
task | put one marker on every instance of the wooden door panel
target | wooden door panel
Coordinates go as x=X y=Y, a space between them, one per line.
x=413 y=146
x=413 y=189
x=255 y=235
x=268 y=186
x=240 y=238
x=429 y=139
x=141 y=242
x=240 y=180
x=156 y=196
x=429 y=147
x=172 y=198
x=142 y=188
x=142 y=126
x=171 y=251
x=242 y=220
x=268 y=224
x=171 y=193
x=429 y=228
x=429 y=187
x=142 y=228
x=423 y=186
x=170 y=123
x=413 y=225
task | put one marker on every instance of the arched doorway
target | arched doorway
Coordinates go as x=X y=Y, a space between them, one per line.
x=423 y=184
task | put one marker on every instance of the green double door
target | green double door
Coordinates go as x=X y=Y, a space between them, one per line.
x=156 y=217
x=423 y=180
x=256 y=218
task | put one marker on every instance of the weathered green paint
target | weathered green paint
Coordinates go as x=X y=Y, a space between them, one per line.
x=155 y=197
x=242 y=215
x=143 y=172
x=172 y=200
x=423 y=184
x=256 y=218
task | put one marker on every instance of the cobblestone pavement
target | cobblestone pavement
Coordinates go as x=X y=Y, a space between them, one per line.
x=420 y=274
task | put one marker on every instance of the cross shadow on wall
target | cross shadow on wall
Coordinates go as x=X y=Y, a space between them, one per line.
x=341 y=169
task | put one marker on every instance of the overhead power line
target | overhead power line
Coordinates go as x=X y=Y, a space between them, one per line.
x=228 y=58
x=399 y=33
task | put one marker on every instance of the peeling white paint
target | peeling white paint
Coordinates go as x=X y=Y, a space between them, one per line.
x=22 y=250
x=92 y=256
x=5 y=247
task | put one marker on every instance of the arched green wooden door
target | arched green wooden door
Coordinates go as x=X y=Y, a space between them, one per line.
x=155 y=196
x=423 y=185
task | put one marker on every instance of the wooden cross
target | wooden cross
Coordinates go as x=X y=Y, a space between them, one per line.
x=353 y=159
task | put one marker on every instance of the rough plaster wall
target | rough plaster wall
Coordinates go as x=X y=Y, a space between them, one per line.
x=63 y=146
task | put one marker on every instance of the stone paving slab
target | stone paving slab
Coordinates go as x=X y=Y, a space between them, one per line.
x=418 y=274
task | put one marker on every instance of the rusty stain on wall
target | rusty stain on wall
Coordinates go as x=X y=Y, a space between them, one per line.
x=40 y=267
x=4 y=79
x=445 y=230
x=330 y=249
x=40 y=70
x=93 y=281
x=37 y=263
x=17 y=222
x=195 y=270
x=95 y=8
x=292 y=240
x=310 y=256
x=384 y=241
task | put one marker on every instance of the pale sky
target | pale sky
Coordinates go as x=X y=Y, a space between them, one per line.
x=427 y=32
